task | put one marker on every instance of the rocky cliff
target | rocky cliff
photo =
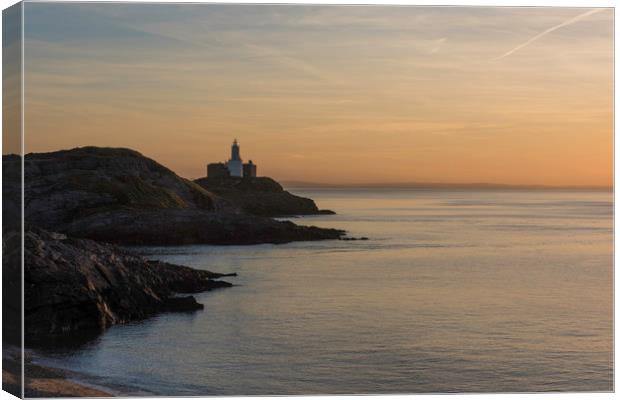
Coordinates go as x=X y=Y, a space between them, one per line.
x=260 y=196
x=120 y=196
x=76 y=284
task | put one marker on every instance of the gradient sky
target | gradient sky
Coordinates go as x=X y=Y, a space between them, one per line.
x=337 y=94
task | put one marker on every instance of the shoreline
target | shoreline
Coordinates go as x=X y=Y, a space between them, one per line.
x=45 y=381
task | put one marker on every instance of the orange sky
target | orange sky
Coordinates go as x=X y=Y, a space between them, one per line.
x=327 y=93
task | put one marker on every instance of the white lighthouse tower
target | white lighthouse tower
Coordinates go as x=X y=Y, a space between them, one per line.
x=235 y=164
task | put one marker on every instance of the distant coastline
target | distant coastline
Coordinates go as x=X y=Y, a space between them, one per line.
x=439 y=185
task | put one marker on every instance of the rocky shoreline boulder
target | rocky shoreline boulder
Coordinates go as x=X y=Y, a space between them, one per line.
x=74 y=284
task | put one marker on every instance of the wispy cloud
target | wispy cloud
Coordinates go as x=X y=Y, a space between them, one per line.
x=547 y=31
x=438 y=43
x=291 y=62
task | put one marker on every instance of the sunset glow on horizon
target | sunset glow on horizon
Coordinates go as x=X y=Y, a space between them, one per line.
x=330 y=94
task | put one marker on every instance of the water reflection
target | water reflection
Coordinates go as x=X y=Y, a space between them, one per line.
x=513 y=294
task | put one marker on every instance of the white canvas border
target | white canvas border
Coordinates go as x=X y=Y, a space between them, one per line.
x=512 y=3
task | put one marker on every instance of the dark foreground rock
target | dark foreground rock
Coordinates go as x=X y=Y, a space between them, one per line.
x=260 y=196
x=74 y=284
x=120 y=196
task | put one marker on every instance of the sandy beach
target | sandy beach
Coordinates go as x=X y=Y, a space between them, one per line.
x=42 y=381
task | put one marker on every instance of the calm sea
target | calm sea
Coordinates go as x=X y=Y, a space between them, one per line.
x=456 y=291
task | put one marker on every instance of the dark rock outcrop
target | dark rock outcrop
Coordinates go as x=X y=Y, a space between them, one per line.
x=182 y=226
x=187 y=303
x=120 y=196
x=75 y=284
x=260 y=196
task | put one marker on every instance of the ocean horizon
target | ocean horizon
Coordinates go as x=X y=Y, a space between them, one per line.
x=298 y=185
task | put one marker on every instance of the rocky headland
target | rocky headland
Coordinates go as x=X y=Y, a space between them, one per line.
x=260 y=196
x=120 y=196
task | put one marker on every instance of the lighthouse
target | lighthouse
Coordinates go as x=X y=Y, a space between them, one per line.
x=233 y=167
x=235 y=164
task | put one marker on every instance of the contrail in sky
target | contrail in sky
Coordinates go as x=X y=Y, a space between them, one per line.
x=553 y=28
